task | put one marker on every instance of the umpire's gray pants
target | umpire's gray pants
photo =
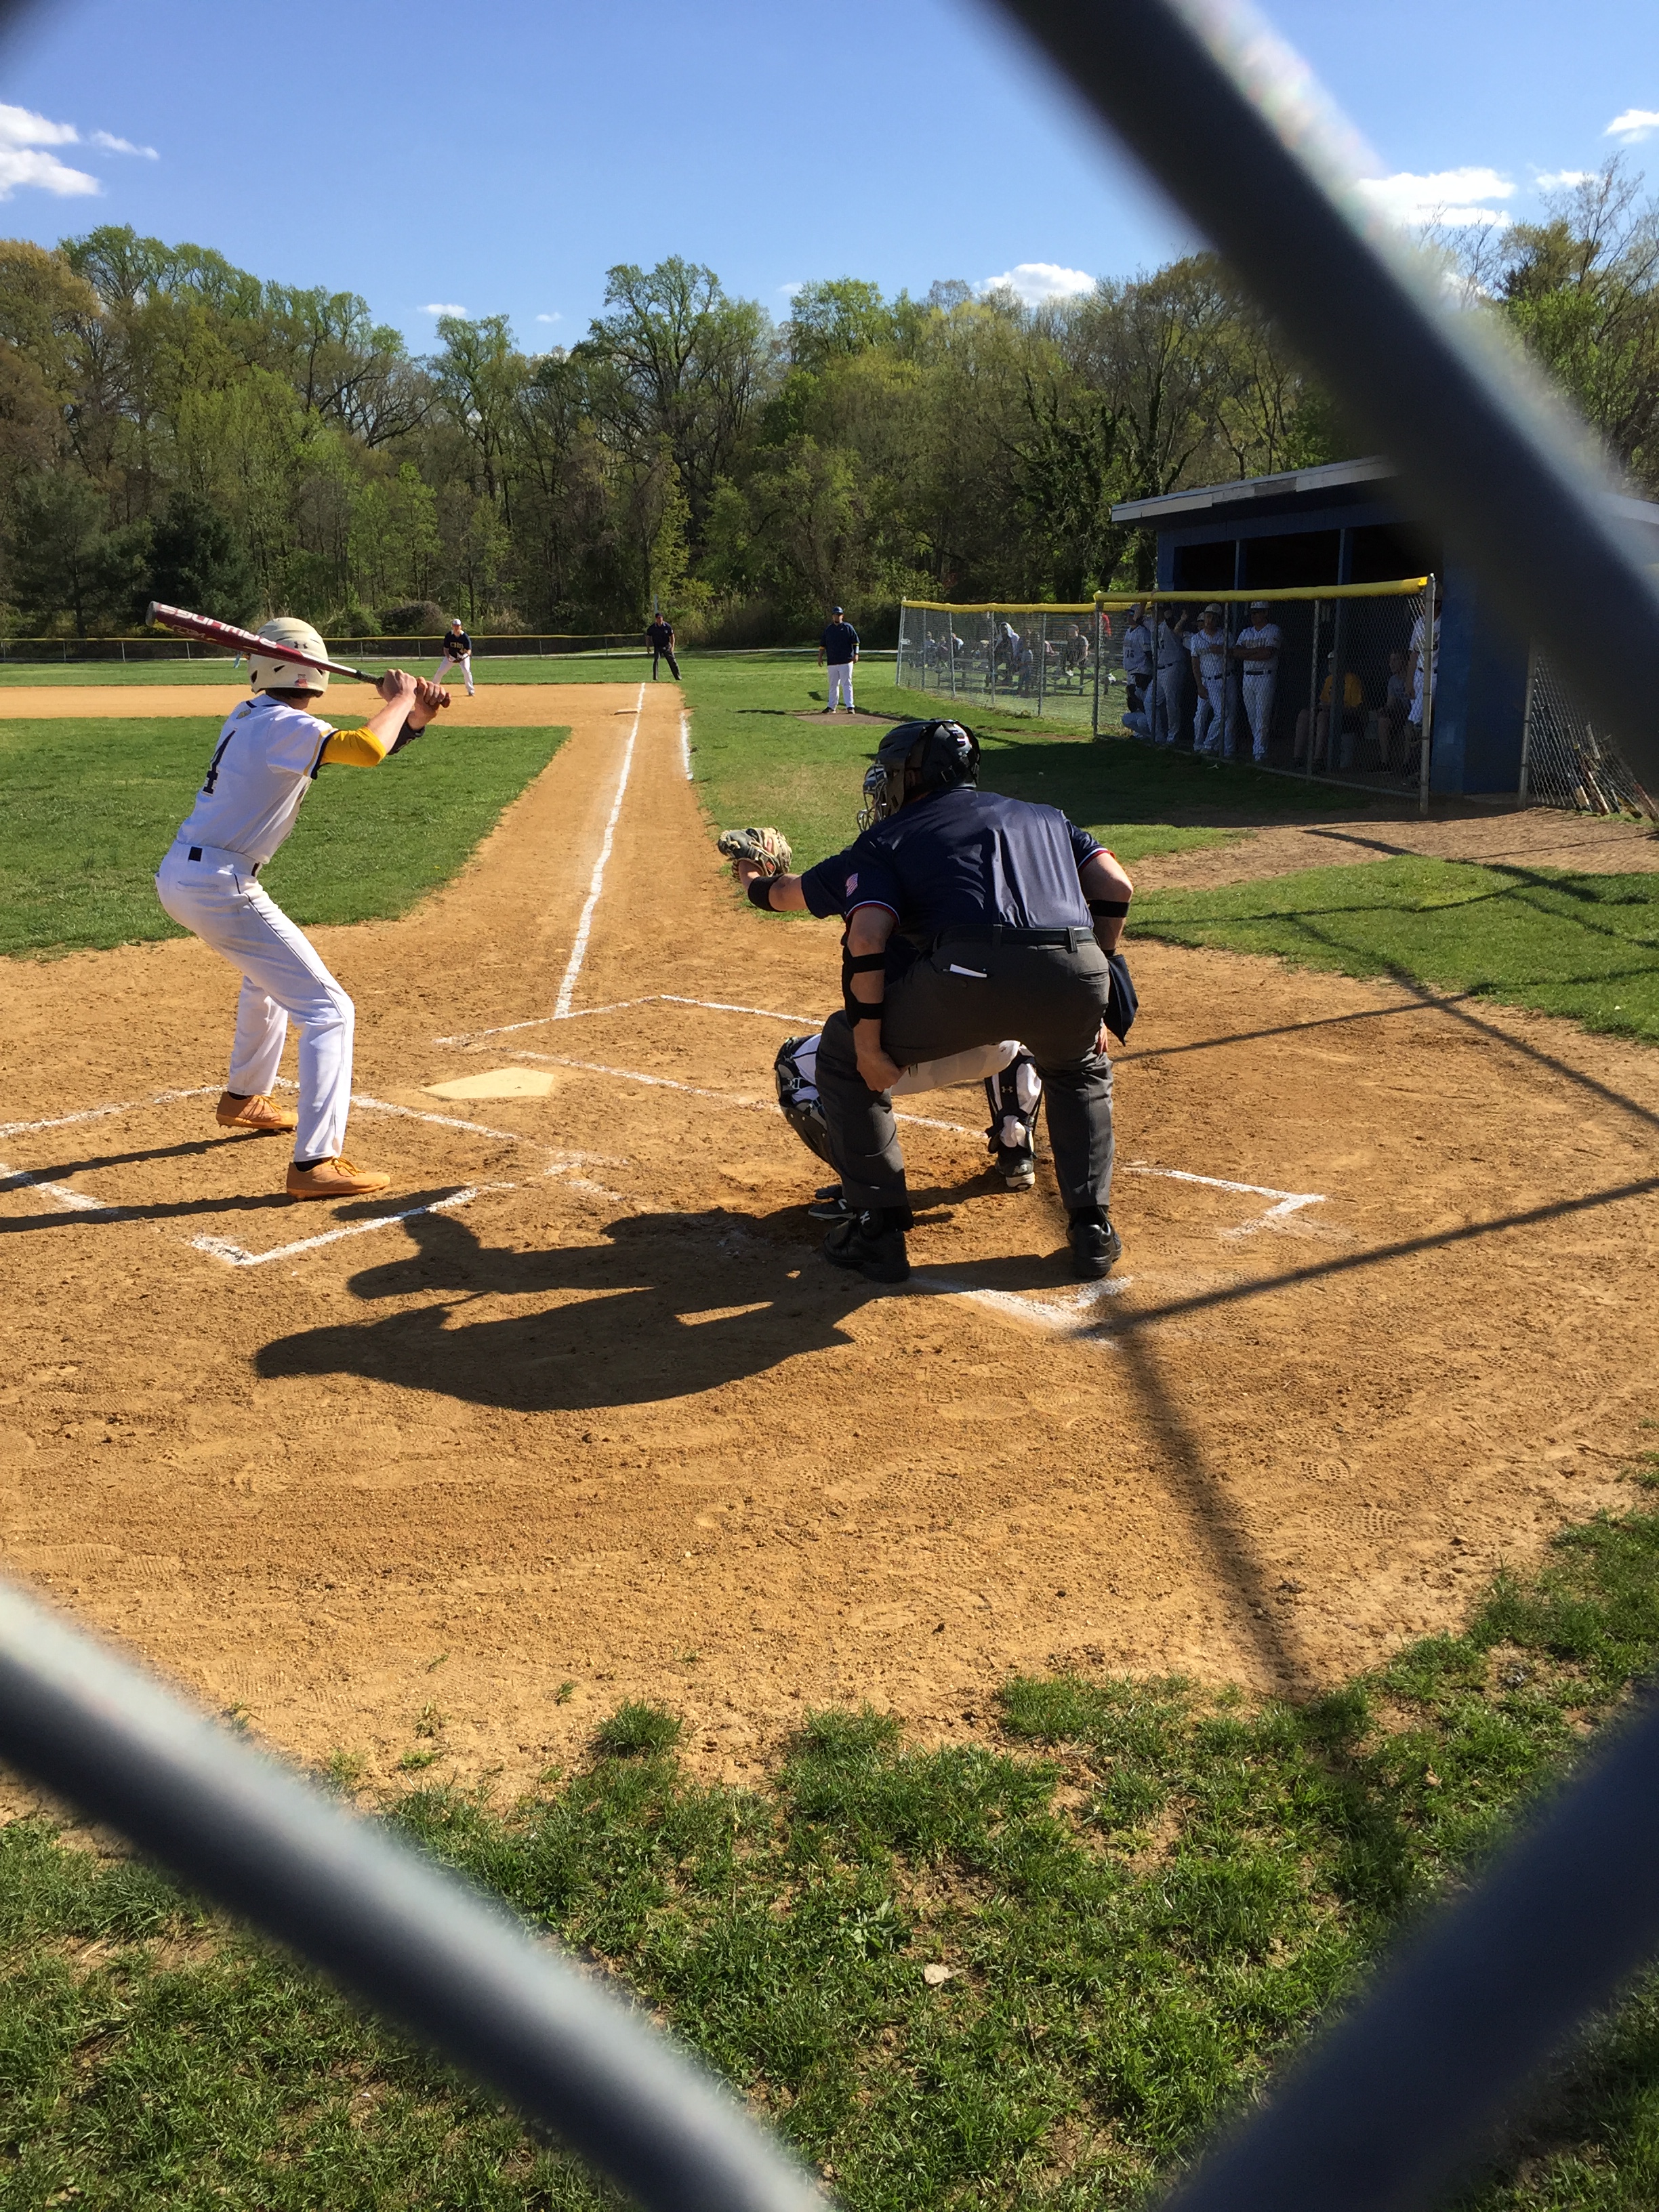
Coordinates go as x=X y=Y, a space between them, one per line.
x=974 y=992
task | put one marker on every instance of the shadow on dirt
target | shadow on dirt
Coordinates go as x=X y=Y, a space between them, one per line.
x=672 y=1305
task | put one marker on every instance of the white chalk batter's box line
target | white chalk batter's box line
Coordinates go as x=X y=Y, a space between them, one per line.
x=561 y=1164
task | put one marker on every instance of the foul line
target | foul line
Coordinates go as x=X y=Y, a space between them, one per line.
x=685 y=743
x=578 y=949
x=623 y=1007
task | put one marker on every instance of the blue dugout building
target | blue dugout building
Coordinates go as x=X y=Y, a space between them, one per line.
x=1348 y=523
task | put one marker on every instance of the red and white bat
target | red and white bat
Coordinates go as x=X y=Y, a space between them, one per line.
x=246 y=641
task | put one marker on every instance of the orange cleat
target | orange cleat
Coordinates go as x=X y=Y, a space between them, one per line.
x=262 y=1115
x=335 y=1179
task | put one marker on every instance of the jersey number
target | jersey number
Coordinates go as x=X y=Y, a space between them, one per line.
x=213 y=770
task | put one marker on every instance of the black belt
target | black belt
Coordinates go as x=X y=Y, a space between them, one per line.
x=995 y=932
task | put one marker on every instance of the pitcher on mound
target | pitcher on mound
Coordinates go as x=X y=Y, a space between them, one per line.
x=269 y=753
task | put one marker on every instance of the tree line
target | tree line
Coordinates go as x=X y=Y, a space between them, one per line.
x=173 y=427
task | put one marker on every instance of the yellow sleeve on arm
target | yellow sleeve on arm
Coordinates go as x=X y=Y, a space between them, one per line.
x=354 y=748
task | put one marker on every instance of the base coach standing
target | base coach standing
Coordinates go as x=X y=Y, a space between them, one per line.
x=969 y=918
x=659 y=636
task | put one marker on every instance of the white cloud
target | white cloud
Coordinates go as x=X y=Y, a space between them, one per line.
x=1038 y=282
x=1562 y=181
x=22 y=135
x=1635 y=123
x=550 y=319
x=111 y=144
x=790 y=290
x=1450 y=196
x=442 y=307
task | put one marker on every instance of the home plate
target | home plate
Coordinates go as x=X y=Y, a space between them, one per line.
x=497 y=1083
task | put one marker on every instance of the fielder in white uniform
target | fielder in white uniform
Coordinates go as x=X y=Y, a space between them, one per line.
x=1257 y=646
x=1208 y=647
x=457 y=653
x=269 y=753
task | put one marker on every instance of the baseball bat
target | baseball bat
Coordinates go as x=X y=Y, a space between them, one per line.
x=246 y=641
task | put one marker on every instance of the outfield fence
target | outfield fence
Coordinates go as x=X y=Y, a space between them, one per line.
x=603 y=645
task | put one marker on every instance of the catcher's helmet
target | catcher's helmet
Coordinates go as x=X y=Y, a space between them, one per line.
x=270 y=672
x=940 y=753
x=796 y=1071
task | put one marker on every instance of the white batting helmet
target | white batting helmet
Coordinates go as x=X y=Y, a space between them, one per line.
x=272 y=674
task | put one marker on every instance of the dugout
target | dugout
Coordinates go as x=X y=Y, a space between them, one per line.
x=1351 y=523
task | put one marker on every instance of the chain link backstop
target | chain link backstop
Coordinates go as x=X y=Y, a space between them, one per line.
x=1565 y=760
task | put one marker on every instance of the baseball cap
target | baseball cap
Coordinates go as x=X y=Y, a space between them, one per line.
x=1258 y=606
x=1214 y=607
x=835 y=611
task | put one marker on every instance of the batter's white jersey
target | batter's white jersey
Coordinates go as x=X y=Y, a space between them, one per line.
x=267 y=760
x=1253 y=638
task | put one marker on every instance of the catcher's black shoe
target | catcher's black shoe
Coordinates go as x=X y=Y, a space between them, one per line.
x=828 y=1205
x=1097 y=1248
x=871 y=1246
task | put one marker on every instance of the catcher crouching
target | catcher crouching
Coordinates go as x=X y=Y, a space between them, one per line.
x=968 y=916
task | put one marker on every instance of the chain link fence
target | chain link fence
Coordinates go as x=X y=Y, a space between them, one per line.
x=1237 y=676
x=1565 y=761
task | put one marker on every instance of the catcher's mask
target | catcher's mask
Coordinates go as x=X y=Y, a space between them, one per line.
x=796 y=1069
x=940 y=753
x=271 y=672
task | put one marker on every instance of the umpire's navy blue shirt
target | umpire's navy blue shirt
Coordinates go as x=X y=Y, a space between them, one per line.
x=840 y=643
x=960 y=858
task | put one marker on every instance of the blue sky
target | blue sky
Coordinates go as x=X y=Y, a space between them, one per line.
x=498 y=157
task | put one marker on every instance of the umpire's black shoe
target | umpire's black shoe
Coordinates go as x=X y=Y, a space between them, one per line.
x=1097 y=1248
x=872 y=1246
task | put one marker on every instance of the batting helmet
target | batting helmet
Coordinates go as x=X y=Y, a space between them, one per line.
x=271 y=673
x=940 y=753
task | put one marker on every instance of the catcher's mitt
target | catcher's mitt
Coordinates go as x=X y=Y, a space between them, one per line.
x=768 y=850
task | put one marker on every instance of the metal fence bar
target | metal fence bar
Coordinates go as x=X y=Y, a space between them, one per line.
x=417 y=1944
x=1254 y=166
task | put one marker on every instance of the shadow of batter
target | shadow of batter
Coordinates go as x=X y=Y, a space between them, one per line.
x=672 y=1306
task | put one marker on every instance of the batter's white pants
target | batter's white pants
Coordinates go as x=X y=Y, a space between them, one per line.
x=1211 y=718
x=463 y=662
x=217 y=899
x=1258 y=689
x=841 y=683
x=1169 y=681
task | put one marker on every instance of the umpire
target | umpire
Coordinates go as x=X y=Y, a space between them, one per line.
x=969 y=918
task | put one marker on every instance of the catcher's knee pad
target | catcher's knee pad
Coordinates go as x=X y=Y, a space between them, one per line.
x=796 y=1071
x=1012 y=1097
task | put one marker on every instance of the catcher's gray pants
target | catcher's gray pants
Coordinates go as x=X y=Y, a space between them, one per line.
x=976 y=991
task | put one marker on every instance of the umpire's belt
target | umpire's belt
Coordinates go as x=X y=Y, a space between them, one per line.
x=215 y=856
x=993 y=932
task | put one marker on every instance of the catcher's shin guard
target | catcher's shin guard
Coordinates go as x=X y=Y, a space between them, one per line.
x=1012 y=1098
x=795 y=1070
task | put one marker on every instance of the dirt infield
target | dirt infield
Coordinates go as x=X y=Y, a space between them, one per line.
x=599 y=1417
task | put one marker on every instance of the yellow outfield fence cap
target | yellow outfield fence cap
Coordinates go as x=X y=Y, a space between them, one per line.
x=1110 y=602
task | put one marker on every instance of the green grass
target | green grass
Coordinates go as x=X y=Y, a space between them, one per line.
x=1583 y=946
x=755 y=761
x=91 y=806
x=1141 y=1895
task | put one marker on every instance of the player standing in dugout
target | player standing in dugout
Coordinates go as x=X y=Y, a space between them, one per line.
x=269 y=753
x=969 y=918
x=839 y=647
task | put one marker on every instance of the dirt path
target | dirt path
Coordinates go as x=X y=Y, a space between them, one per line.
x=600 y=1417
x=1536 y=837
